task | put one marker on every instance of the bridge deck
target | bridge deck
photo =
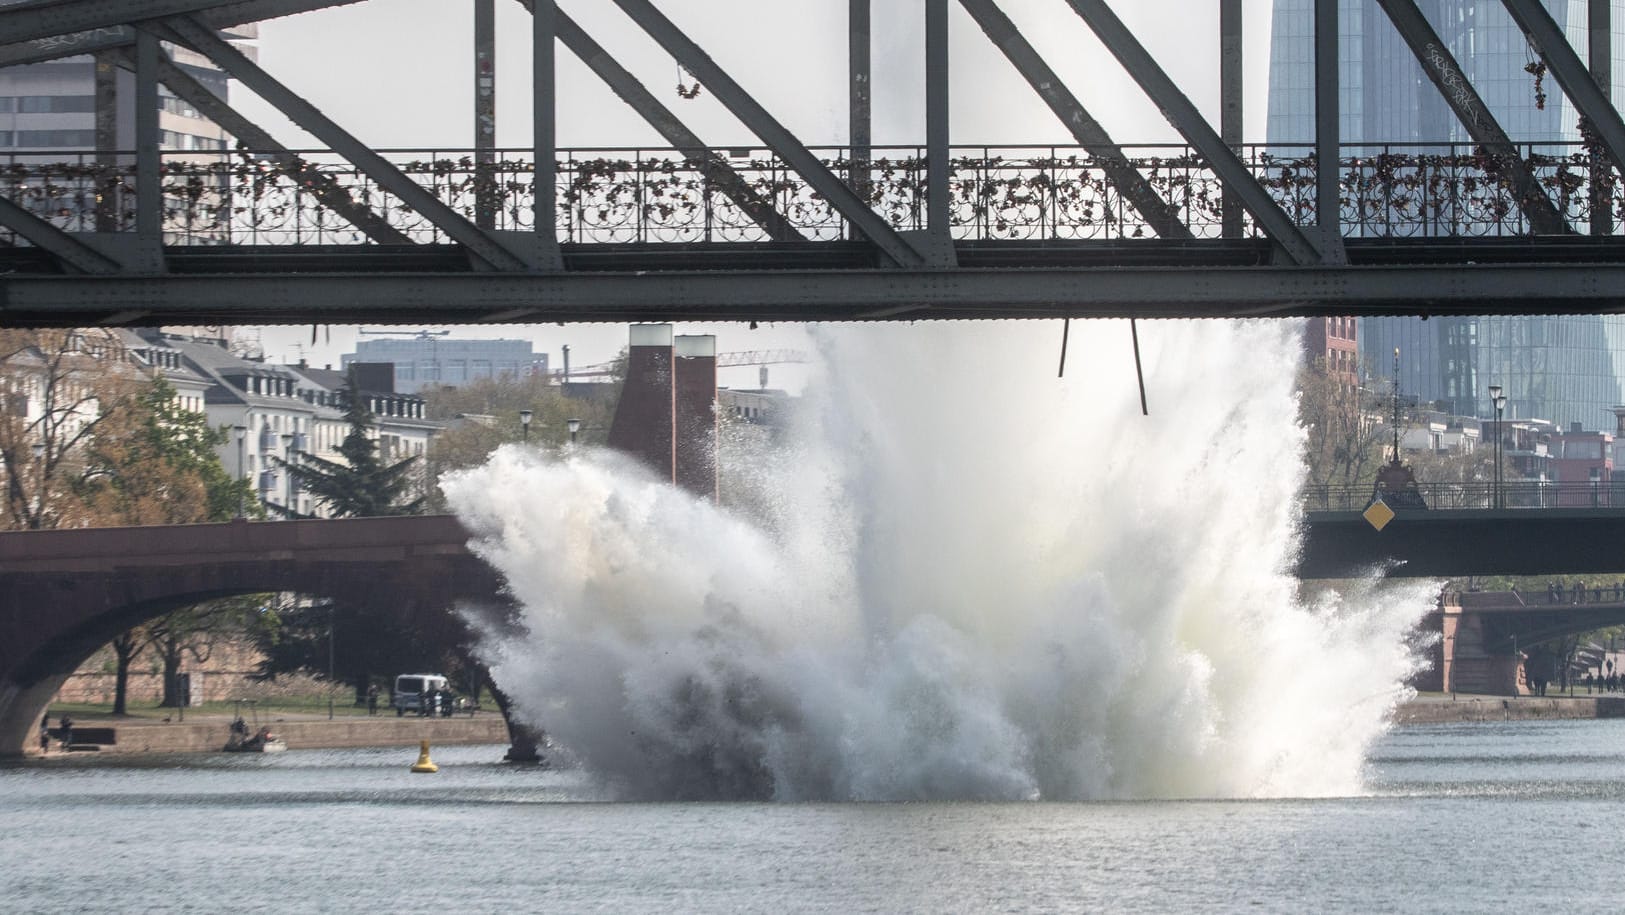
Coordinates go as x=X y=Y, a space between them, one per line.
x=655 y=235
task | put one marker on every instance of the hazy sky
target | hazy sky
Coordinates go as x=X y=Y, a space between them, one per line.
x=396 y=74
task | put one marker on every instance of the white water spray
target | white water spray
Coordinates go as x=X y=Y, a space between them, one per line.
x=975 y=581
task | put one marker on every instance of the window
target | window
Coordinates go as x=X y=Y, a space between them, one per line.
x=79 y=139
x=172 y=140
x=56 y=104
x=178 y=106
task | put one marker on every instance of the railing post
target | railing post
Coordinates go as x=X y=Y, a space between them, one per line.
x=1230 y=106
x=485 y=113
x=859 y=90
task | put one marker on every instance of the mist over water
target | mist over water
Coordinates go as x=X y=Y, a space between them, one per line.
x=960 y=578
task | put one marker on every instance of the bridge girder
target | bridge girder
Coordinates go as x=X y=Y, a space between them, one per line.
x=1445 y=544
x=813 y=295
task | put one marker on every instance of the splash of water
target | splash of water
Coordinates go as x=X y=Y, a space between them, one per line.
x=963 y=579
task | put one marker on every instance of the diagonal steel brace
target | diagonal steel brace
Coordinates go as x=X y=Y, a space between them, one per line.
x=630 y=90
x=1554 y=48
x=69 y=250
x=1441 y=67
x=204 y=40
x=1089 y=133
x=1195 y=129
x=321 y=185
x=771 y=132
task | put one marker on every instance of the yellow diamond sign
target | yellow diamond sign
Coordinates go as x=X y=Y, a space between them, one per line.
x=1378 y=514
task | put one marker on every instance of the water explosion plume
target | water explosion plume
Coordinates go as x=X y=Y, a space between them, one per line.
x=962 y=578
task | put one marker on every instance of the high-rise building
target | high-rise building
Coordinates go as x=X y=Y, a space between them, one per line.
x=1565 y=369
x=51 y=107
x=429 y=359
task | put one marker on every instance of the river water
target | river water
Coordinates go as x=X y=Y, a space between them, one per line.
x=1474 y=817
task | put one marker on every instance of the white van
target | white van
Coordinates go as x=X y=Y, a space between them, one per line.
x=409 y=688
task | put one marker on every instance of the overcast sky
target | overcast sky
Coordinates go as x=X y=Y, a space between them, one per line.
x=396 y=73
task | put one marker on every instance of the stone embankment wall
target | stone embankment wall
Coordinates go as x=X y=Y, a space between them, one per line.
x=226 y=673
x=209 y=735
x=1445 y=709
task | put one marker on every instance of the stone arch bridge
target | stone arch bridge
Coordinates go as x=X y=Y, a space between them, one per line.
x=66 y=593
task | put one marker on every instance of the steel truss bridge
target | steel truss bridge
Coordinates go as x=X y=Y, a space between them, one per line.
x=784 y=230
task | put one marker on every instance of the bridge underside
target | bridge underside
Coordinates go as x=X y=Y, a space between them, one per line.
x=1443 y=544
x=1489 y=638
x=832 y=281
x=64 y=594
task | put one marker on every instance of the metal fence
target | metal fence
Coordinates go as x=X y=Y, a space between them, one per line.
x=1032 y=193
x=1477 y=495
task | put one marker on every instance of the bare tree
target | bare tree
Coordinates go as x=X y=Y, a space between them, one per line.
x=56 y=388
x=1344 y=425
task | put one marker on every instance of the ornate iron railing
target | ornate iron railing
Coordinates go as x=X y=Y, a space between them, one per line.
x=1035 y=193
x=1523 y=494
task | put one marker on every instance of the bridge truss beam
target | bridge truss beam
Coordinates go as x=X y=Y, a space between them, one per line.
x=1475 y=116
x=204 y=40
x=819 y=295
x=934 y=243
x=1185 y=118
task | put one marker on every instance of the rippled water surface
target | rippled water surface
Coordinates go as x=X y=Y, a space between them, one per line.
x=1457 y=818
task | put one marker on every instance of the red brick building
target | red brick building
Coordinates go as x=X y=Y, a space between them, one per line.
x=1334 y=343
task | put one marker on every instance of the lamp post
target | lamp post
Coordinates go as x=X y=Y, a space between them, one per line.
x=242 y=435
x=330 y=682
x=574 y=425
x=1499 y=403
x=38 y=451
x=287 y=467
x=524 y=423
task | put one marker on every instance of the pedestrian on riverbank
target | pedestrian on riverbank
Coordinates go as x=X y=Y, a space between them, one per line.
x=45 y=734
x=372 y=699
x=66 y=731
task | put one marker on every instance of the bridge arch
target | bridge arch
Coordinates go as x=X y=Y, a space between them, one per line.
x=64 y=594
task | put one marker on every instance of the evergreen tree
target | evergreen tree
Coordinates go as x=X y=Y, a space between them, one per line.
x=366 y=637
x=363 y=486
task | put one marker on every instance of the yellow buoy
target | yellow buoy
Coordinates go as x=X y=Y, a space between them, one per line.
x=424 y=764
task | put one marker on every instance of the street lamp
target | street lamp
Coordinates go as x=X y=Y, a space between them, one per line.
x=287 y=467
x=574 y=425
x=242 y=434
x=524 y=423
x=38 y=450
x=1499 y=402
x=330 y=683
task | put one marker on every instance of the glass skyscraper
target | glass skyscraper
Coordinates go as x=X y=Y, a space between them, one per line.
x=1566 y=369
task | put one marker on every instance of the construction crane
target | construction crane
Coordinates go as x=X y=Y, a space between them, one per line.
x=419 y=334
x=762 y=357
